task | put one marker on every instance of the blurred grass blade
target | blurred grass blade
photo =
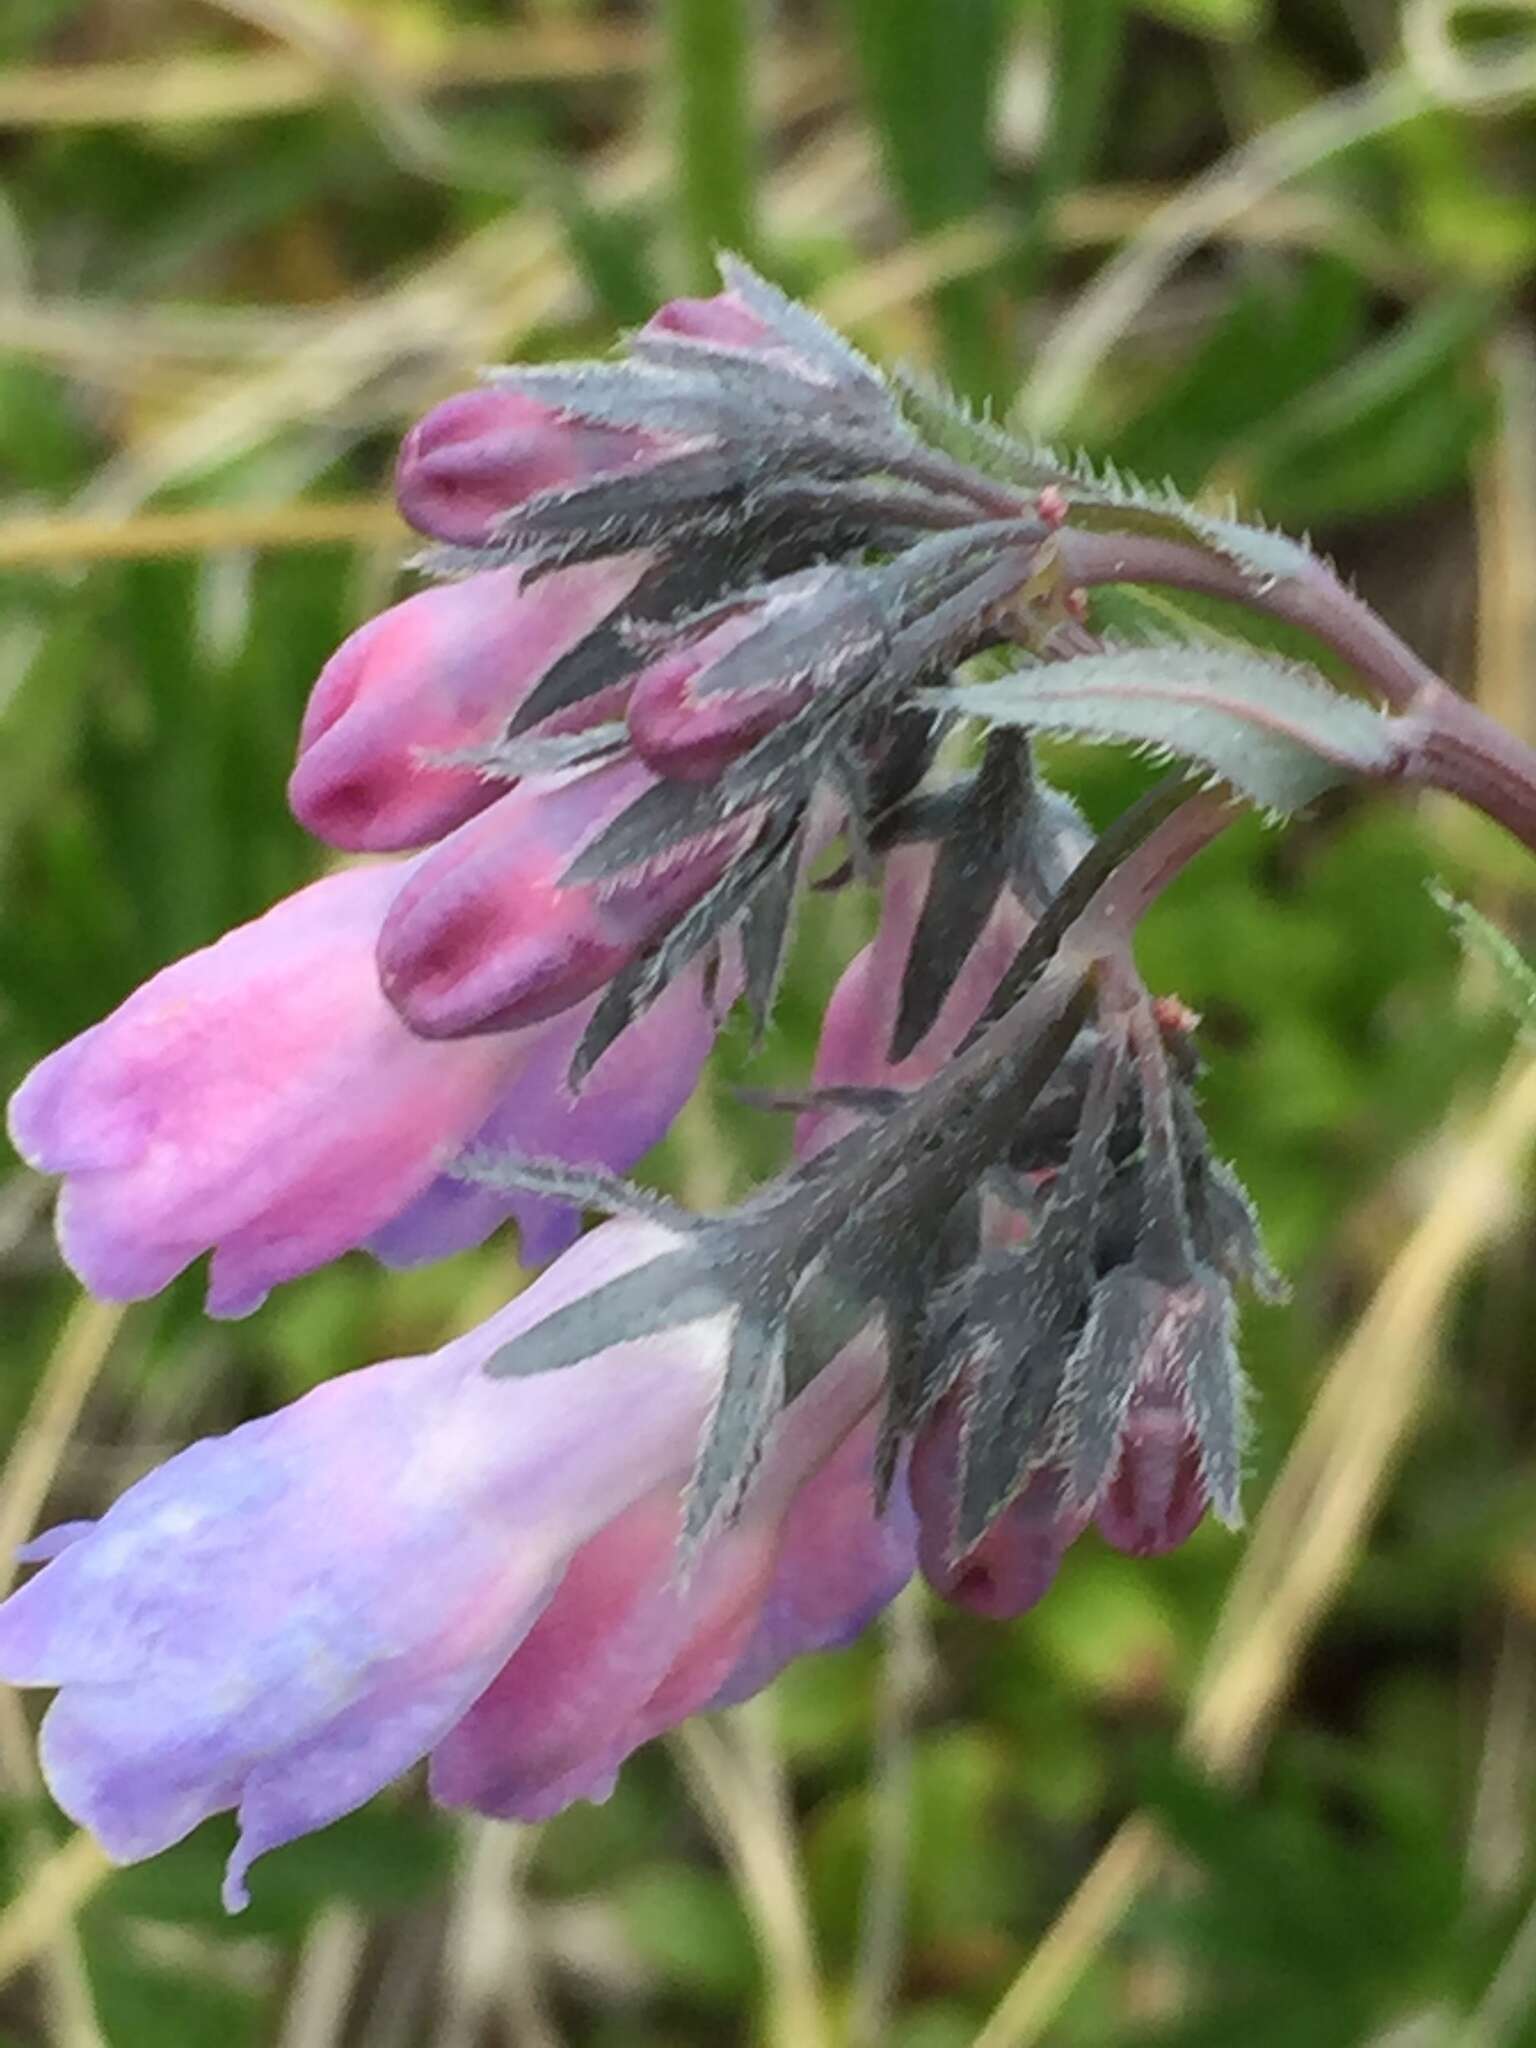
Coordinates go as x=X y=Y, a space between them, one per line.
x=1305 y=1539
x=1087 y=45
x=930 y=70
x=710 y=55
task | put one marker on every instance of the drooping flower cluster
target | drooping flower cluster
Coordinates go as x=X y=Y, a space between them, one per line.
x=706 y=620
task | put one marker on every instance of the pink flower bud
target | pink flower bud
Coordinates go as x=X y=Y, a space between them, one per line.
x=479 y=455
x=1016 y=1562
x=691 y=737
x=439 y=674
x=486 y=937
x=723 y=321
x=1156 y=1496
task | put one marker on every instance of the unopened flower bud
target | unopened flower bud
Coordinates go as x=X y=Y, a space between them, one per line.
x=723 y=321
x=440 y=674
x=1014 y=1564
x=477 y=456
x=1156 y=1496
x=487 y=937
x=691 y=737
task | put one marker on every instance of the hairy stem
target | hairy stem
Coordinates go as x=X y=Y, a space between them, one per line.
x=1448 y=743
x=1140 y=826
x=1110 y=918
x=947 y=1131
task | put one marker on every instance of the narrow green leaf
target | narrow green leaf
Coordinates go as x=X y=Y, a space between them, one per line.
x=1516 y=976
x=1272 y=729
x=930 y=70
x=714 y=167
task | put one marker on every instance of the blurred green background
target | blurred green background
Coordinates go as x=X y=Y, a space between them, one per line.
x=1272 y=1790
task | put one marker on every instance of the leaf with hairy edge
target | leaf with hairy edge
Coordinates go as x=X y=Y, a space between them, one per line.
x=627 y=396
x=750 y=1401
x=508 y=760
x=1217 y=1397
x=805 y=332
x=1264 y=556
x=1024 y=1311
x=1516 y=975
x=1223 y=1224
x=1099 y=500
x=765 y=935
x=669 y=1291
x=667 y=814
x=827 y=1310
x=596 y=663
x=584 y=1187
x=1022 y=1330
x=970 y=870
x=668 y=593
x=821 y=626
x=624 y=509
x=802 y=1101
x=1271 y=728
x=1124 y=1319
x=946 y=422
x=752 y=388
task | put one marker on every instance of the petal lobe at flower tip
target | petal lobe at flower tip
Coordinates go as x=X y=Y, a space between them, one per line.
x=343 y=1661
x=261 y=1099
x=441 y=673
x=487 y=936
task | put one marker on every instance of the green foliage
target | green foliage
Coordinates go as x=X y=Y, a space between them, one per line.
x=1346 y=357
x=1484 y=941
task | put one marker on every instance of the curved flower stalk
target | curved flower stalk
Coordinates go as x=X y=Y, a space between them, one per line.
x=700 y=610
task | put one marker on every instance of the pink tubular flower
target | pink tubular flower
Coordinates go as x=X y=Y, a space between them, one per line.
x=626 y=1106
x=687 y=731
x=856 y=1032
x=439 y=674
x=722 y=321
x=550 y=1634
x=478 y=455
x=487 y=937
x=259 y=1099
x=1014 y=1565
x=627 y=1647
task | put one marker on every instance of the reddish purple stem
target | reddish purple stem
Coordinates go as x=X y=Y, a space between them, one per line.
x=1448 y=743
